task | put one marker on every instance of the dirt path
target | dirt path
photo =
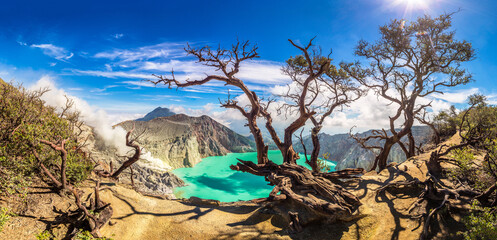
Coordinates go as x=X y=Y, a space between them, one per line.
x=140 y=217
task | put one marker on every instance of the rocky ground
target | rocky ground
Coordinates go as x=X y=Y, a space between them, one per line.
x=136 y=216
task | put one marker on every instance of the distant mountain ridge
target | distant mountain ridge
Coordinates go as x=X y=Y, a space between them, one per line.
x=158 y=112
x=349 y=154
x=182 y=141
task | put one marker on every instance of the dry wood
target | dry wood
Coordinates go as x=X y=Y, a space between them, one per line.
x=297 y=183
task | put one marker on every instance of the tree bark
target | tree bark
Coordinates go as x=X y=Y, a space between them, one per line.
x=382 y=158
x=132 y=159
x=315 y=151
x=412 y=145
x=261 y=147
x=297 y=183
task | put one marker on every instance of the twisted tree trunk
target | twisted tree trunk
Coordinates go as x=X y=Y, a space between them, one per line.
x=312 y=191
x=132 y=159
x=315 y=151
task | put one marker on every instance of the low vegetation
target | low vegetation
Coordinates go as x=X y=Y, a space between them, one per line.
x=481 y=223
x=36 y=138
x=24 y=121
x=4 y=216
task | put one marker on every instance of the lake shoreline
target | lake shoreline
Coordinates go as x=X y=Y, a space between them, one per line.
x=213 y=179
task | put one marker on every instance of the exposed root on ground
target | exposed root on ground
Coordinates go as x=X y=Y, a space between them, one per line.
x=433 y=194
x=314 y=192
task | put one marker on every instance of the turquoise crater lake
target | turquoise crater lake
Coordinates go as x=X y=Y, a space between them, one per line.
x=213 y=179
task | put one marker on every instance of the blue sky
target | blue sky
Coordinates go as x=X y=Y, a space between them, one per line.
x=99 y=51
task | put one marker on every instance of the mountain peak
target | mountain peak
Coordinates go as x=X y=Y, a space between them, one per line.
x=157 y=112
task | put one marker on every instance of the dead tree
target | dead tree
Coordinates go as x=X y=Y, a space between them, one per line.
x=409 y=62
x=63 y=156
x=130 y=142
x=327 y=93
x=478 y=132
x=227 y=63
x=314 y=192
x=473 y=132
x=94 y=216
x=132 y=159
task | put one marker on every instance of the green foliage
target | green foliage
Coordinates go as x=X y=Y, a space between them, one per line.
x=447 y=122
x=78 y=168
x=468 y=172
x=4 y=217
x=24 y=120
x=491 y=165
x=86 y=235
x=464 y=160
x=481 y=224
x=481 y=120
x=322 y=166
x=45 y=235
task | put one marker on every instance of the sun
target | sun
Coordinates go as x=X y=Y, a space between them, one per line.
x=417 y=4
x=412 y=5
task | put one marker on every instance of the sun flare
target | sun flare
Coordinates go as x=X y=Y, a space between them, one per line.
x=412 y=5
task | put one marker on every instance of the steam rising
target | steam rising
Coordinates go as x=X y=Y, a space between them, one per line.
x=96 y=118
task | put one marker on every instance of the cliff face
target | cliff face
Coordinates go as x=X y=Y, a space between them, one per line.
x=146 y=178
x=349 y=154
x=182 y=141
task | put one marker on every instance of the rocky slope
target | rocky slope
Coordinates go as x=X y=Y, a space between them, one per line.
x=182 y=141
x=158 y=112
x=147 y=179
x=349 y=154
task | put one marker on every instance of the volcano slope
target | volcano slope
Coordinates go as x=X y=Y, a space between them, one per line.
x=382 y=215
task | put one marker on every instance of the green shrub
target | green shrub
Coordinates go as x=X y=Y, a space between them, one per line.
x=464 y=160
x=322 y=164
x=24 y=120
x=475 y=176
x=446 y=122
x=4 y=217
x=45 y=235
x=481 y=223
x=86 y=235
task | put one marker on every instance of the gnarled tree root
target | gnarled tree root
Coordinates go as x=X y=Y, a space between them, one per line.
x=431 y=194
x=316 y=194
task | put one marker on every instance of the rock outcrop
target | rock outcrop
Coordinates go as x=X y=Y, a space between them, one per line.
x=182 y=141
x=146 y=179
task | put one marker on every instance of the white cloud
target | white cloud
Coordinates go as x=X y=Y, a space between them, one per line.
x=372 y=112
x=96 y=118
x=161 y=58
x=111 y=74
x=75 y=89
x=53 y=51
x=139 y=83
x=100 y=90
x=460 y=96
x=118 y=35
x=260 y=72
x=177 y=65
x=162 y=50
